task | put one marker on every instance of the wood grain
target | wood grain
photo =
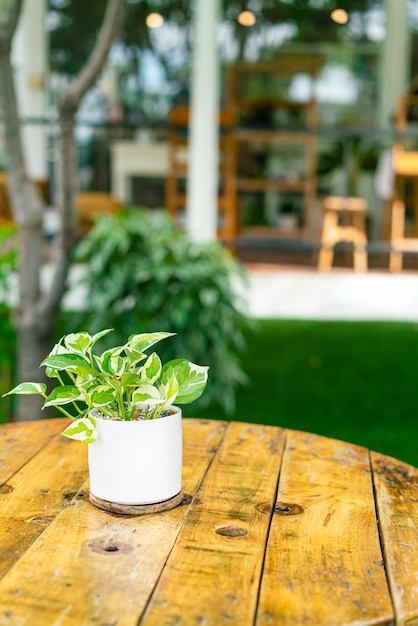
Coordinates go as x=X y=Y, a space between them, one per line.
x=212 y=575
x=21 y=441
x=31 y=499
x=397 y=503
x=277 y=528
x=98 y=567
x=323 y=562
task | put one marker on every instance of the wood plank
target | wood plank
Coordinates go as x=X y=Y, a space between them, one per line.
x=396 y=485
x=323 y=563
x=32 y=497
x=254 y=184
x=218 y=559
x=19 y=442
x=99 y=567
x=276 y=136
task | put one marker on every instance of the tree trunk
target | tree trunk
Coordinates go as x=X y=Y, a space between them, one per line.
x=37 y=312
x=27 y=214
x=32 y=349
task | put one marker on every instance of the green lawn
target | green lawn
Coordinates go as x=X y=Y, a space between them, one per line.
x=355 y=381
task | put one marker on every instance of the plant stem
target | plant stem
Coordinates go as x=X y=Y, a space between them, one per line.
x=64 y=412
x=121 y=406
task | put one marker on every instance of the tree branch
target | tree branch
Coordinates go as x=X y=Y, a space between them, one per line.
x=112 y=23
x=66 y=176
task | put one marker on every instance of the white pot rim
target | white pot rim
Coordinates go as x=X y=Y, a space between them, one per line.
x=172 y=409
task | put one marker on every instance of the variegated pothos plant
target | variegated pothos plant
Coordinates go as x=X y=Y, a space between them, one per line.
x=122 y=383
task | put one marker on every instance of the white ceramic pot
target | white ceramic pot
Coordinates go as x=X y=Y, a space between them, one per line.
x=137 y=462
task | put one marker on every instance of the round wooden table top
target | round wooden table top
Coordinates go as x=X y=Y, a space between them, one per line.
x=276 y=527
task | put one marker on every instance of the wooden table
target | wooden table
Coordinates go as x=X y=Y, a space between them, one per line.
x=276 y=527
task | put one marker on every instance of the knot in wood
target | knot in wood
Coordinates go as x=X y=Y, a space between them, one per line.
x=281 y=508
x=5 y=488
x=264 y=507
x=286 y=508
x=110 y=546
x=231 y=531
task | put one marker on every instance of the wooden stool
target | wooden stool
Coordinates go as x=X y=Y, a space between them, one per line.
x=333 y=232
x=403 y=237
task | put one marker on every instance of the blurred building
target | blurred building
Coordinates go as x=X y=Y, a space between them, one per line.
x=306 y=95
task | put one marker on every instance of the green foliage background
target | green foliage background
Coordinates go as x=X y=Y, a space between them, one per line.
x=144 y=275
x=354 y=381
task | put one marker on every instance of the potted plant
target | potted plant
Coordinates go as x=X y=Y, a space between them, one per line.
x=124 y=409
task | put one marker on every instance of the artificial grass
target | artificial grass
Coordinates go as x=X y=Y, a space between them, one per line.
x=354 y=381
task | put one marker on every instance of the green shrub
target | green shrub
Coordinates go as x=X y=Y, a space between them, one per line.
x=8 y=265
x=142 y=273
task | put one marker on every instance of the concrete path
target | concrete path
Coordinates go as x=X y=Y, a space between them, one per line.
x=283 y=292
x=302 y=293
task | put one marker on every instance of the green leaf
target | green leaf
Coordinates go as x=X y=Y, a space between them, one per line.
x=134 y=356
x=146 y=340
x=102 y=395
x=63 y=395
x=147 y=394
x=99 y=335
x=27 y=389
x=108 y=353
x=114 y=365
x=58 y=349
x=151 y=370
x=169 y=390
x=84 y=377
x=77 y=342
x=191 y=378
x=51 y=373
x=66 y=361
x=83 y=429
x=131 y=380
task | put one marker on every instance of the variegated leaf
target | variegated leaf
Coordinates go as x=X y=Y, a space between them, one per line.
x=108 y=353
x=151 y=370
x=134 y=356
x=146 y=340
x=191 y=378
x=27 y=389
x=100 y=334
x=169 y=390
x=66 y=361
x=102 y=395
x=58 y=349
x=130 y=380
x=83 y=429
x=114 y=364
x=147 y=394
x=65 y=394
x=78 y=342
